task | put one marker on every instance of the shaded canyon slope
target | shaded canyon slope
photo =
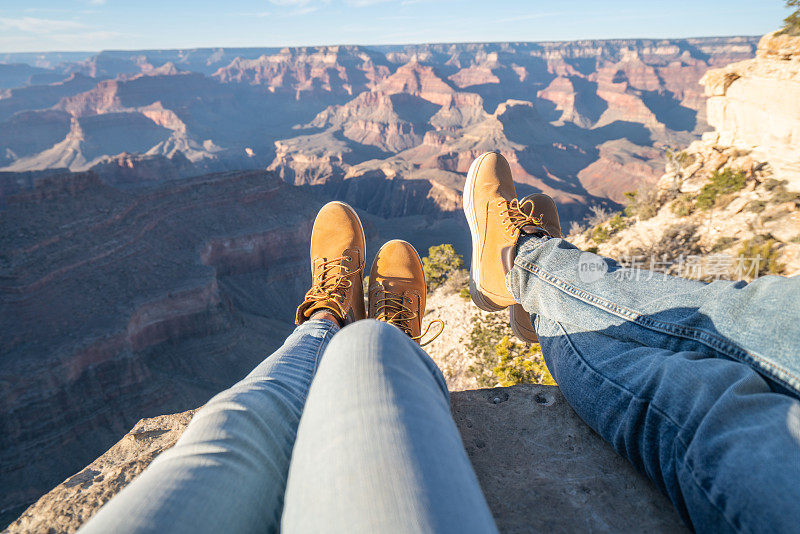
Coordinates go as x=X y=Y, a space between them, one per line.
x=584 y=121
x=115 y=305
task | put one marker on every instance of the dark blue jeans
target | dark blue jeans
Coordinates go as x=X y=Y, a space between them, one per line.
x=696 y=384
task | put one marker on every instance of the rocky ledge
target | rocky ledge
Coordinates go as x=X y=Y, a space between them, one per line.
x=755 y=104
x=540 y=467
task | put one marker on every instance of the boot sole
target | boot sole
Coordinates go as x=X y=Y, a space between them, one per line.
x=478 y=297
x=518 y=317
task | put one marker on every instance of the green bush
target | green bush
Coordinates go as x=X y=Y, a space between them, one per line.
x=722 y=182
x=518 y=364
x=501 y=359
x=604 y=232
x=464 y=293
x=439 y=264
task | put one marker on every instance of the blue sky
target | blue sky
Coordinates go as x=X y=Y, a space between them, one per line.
x=48 y=25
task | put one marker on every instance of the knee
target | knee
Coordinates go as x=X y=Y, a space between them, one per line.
x=367 y=338
x=370 y=346
x=371 y=342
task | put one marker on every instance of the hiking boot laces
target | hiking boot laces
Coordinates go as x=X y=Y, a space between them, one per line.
x=393 y=309
x=514 y=216
x=331 y=282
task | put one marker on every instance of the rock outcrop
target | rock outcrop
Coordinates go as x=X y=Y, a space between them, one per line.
x=540 y=467
x=728 y=206
x=755 y=105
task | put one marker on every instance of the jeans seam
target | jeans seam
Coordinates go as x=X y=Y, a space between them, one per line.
x=658 y=411
x=708 y=339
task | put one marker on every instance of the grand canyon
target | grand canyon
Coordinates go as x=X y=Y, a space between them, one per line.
x=155 y=206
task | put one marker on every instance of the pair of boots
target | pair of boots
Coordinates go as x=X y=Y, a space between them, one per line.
x=396 y=291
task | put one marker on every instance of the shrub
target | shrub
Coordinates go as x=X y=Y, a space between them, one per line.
x=759 y=257
x=604 y=232
x=518 y=364
x=683 y=206
x=440 y=263
x=756 y=206
x=500 y=359
x=486 y=333
x=464 y=293
x=641 y=203
x=576 y=228
x=598 y=215
x=723 y=243
x=678 y=160
x=722 y=182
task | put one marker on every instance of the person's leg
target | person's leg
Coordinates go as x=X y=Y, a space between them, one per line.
x=227 y=472
x=377 y=449
x=671 y=372
x=708 y=431
x=757 y=323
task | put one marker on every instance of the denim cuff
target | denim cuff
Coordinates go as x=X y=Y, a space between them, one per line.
x=527 y=243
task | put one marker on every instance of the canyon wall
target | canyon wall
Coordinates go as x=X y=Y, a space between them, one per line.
x=119 y=304
x=583 y=121
x=755 y=104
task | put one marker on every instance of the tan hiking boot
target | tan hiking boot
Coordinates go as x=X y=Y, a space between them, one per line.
x=397 y=289
x=544 y=209
x=495 y=222
x=338 y=253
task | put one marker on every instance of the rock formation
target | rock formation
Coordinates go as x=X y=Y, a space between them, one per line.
x=755 y=105
x=315 y=114
x=539 y=465
x=728 y=206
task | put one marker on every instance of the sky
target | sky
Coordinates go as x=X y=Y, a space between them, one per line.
x=93 y=25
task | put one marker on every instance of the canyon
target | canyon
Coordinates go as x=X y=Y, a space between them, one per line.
x=155 y=206
x=583 y=121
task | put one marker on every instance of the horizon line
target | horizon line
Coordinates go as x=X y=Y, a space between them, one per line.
x=282 y=47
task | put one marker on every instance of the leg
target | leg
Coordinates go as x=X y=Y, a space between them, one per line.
x=227 y=473
x=671 y=372
x=708 y=431
x=757 y=323
x=377 y=448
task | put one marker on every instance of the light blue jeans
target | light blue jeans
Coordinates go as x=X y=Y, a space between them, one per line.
x=696 y=384
x=376 y=449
